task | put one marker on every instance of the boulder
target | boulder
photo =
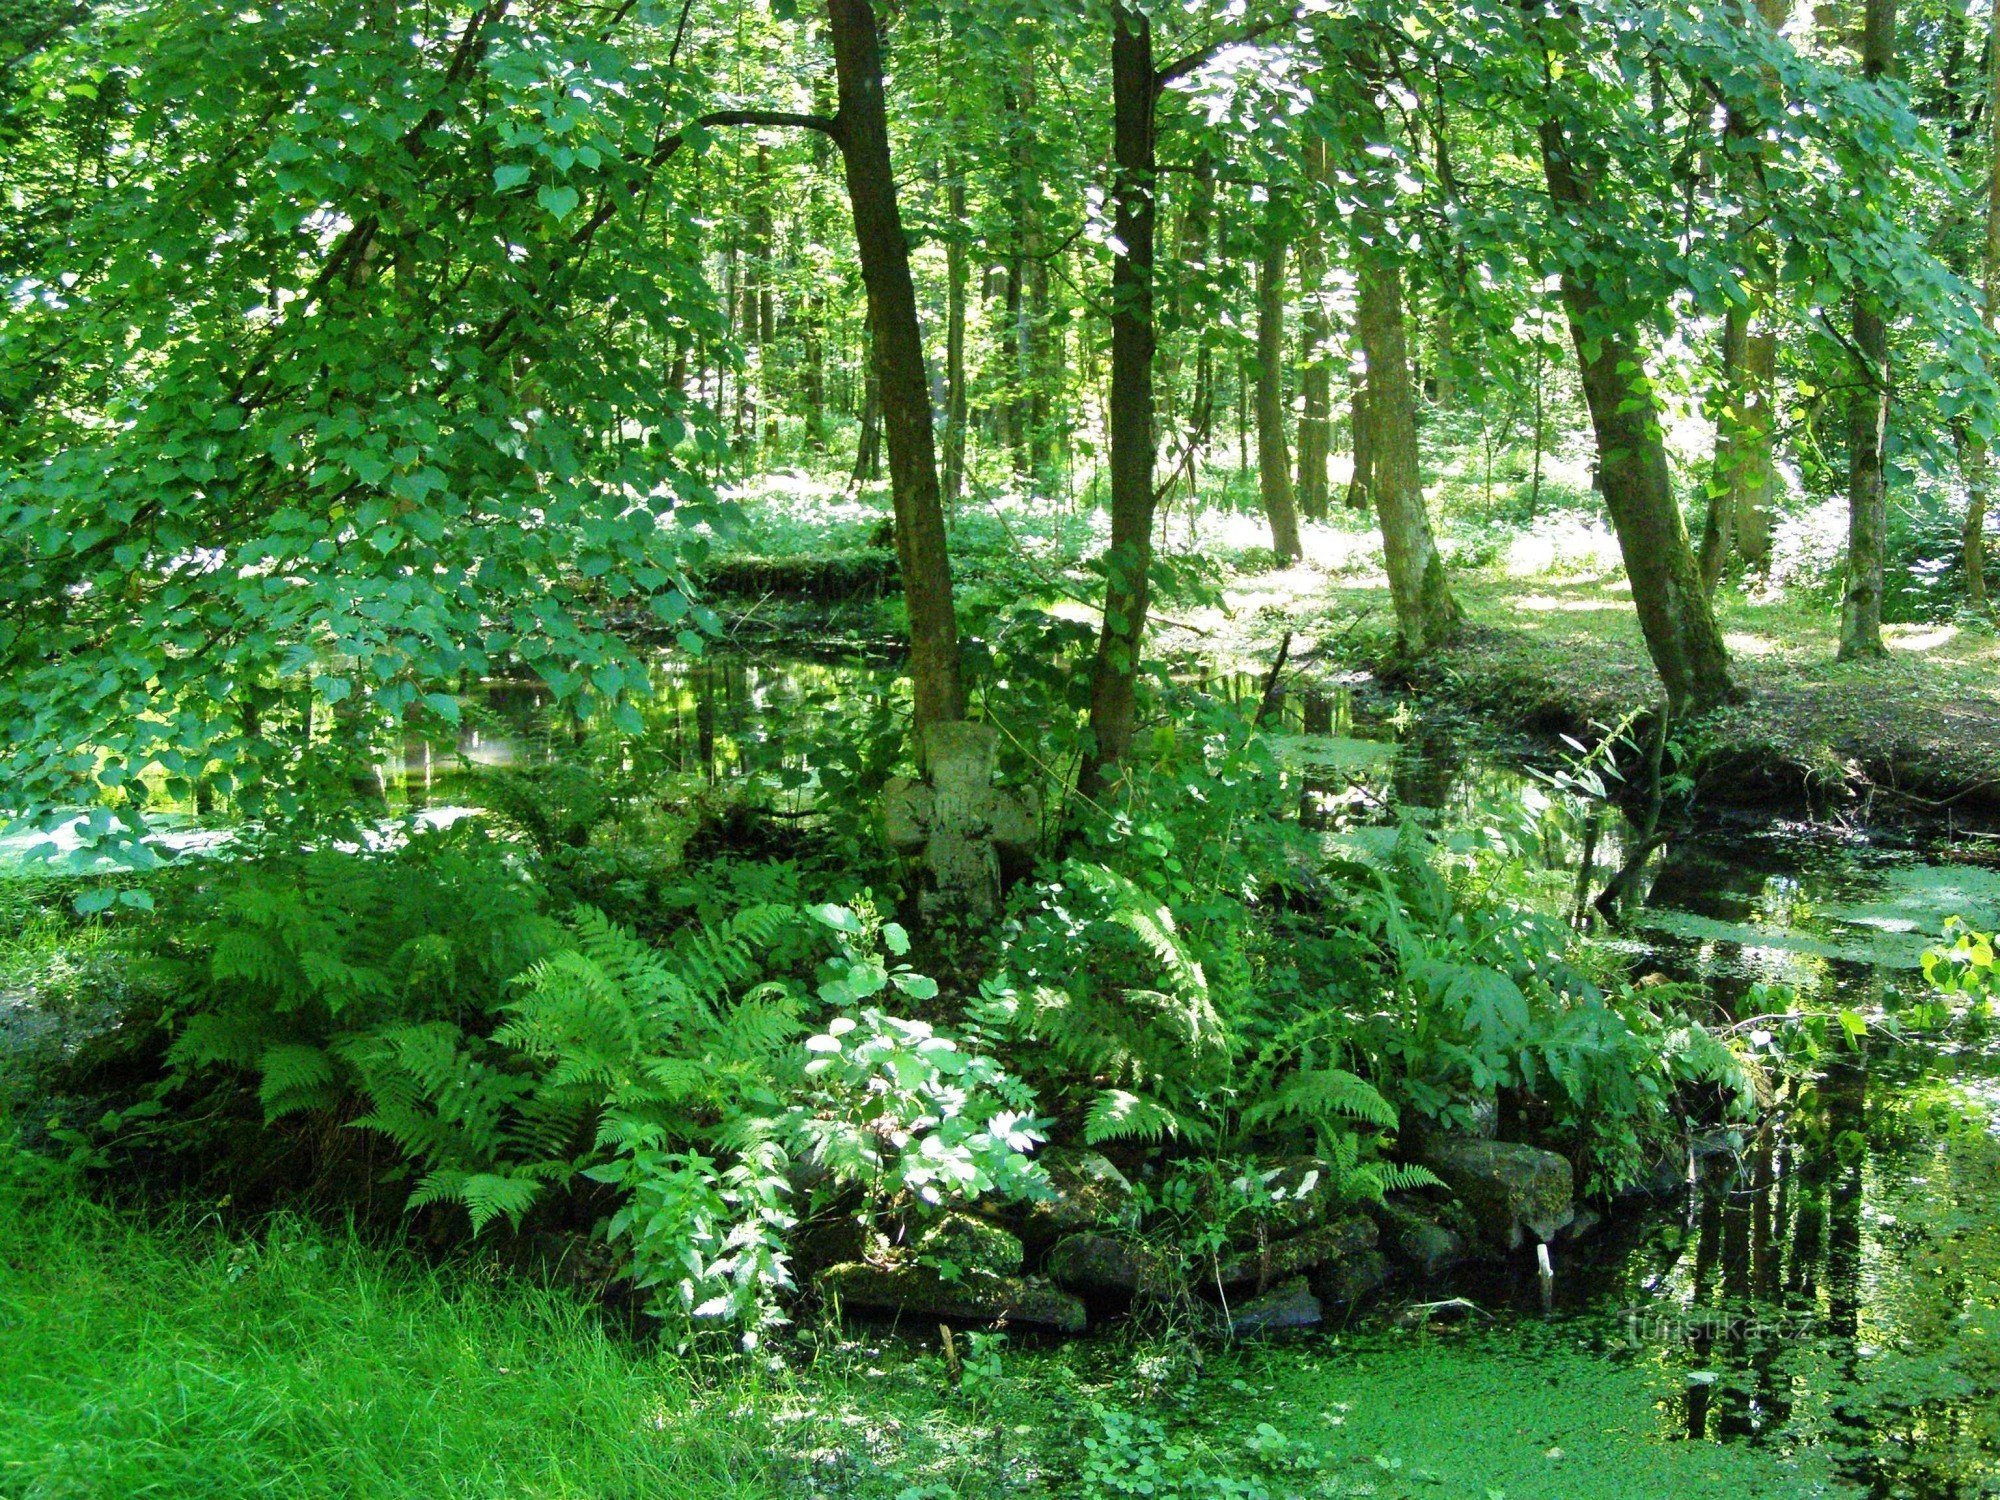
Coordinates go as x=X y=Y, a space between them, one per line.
x=1279 y=1259
x=1515 y=1192
x=971 y=1244
x=974 y=1297
x=1288 y=1305
x=1301 y=1192
x=1103 y=1267
x=1086 y=1192
x=1418 y=1240
x=1355 y=1279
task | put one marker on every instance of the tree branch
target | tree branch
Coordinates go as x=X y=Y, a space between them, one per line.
x=1181 y=67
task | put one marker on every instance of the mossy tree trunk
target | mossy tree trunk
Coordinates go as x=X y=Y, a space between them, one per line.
x=898 y=364
x=1274 y=468
x=1673 y=607
x=1868 y=415
x=1114 y=673
x=1426 y=614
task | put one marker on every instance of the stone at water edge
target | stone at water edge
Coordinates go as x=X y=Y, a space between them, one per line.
x=1278 y=1259
x=957 y=821
x=1418 y=1240
x=1515 y=1193
x=1086 y=1192
x=1290 y=1304
x=1352 y=1280
x=975 y=1297
x=1107 y=1268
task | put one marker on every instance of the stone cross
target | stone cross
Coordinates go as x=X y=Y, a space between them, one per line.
x=957 y=821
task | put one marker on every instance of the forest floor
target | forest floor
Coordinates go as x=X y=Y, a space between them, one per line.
x=1563 y=653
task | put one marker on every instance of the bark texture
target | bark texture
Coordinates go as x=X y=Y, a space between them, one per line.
x=1315 y=335
x=1114 y=674
x=1673 y=608
x=1274 y=467
x=904 y=391
x=1868 y=415
x=1426 y=614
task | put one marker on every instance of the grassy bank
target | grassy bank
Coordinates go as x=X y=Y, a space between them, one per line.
x=177 y=1357
x=1560 y=651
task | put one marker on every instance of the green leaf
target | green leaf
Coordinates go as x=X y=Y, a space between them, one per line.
x=560 y=200
x=512 y=175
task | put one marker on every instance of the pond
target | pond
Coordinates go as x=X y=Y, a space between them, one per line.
x=1819 y=1312
x=1822 y=1305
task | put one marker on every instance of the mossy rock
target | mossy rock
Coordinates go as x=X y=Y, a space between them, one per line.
x=1515 y=1192
x=1287 y=1306
x=1105 y=1267
x=971 y=1244
x=1276 y=1260
x=1086 y=1192
x=1353 y=1280
x=974 y=1297
x=1420 y=1240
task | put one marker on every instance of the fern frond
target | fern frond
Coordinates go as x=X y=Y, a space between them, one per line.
x=1320 y=1096
x=1119 y=1115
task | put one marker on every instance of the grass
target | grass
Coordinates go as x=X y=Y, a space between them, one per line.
x=1559 y=648
x=186 y=1359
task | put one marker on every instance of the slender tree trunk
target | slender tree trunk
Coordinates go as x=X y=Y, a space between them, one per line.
x=868 y=446
x=1979 y=466
x=1868 y=415
x=1426 y=614
x=1316 y=333
x=1719 y=521
x=1443 y=358
x=1274 y=468
x=1361 y=434
x=1673 y=607
x=955 y=405
x=899 y=365
x=1114 y=674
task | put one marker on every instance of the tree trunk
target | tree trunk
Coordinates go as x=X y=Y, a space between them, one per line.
x=1719 y=521
x=1672 y=606
x=1979 y=467
x=955 y=404
x=1362 y=441
x=1868 y=415
x=868 y=446
x=1316 y=333
x=899 y=365
x=1742 y=485
x=1426 y=614
x=1114 y=674
x=1274 y=467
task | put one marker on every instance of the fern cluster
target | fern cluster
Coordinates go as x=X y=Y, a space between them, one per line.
x=419 y=995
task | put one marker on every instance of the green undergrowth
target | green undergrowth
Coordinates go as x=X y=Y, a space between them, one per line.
x=143 y=1354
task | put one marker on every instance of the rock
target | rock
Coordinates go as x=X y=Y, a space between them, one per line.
x=1105 y=1268
x=828 y=1241
x=1279 y=1259
x=971 y=1244
x=1288 y=1305
x=1352 y=1280
x=1302 y=1192
x=1586 y=1220
x=1419 y=1241
x=1086 y=1192
x=1515 y=1192
x=975 y=1297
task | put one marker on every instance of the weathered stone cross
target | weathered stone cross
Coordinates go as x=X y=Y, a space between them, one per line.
x=958 y=821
